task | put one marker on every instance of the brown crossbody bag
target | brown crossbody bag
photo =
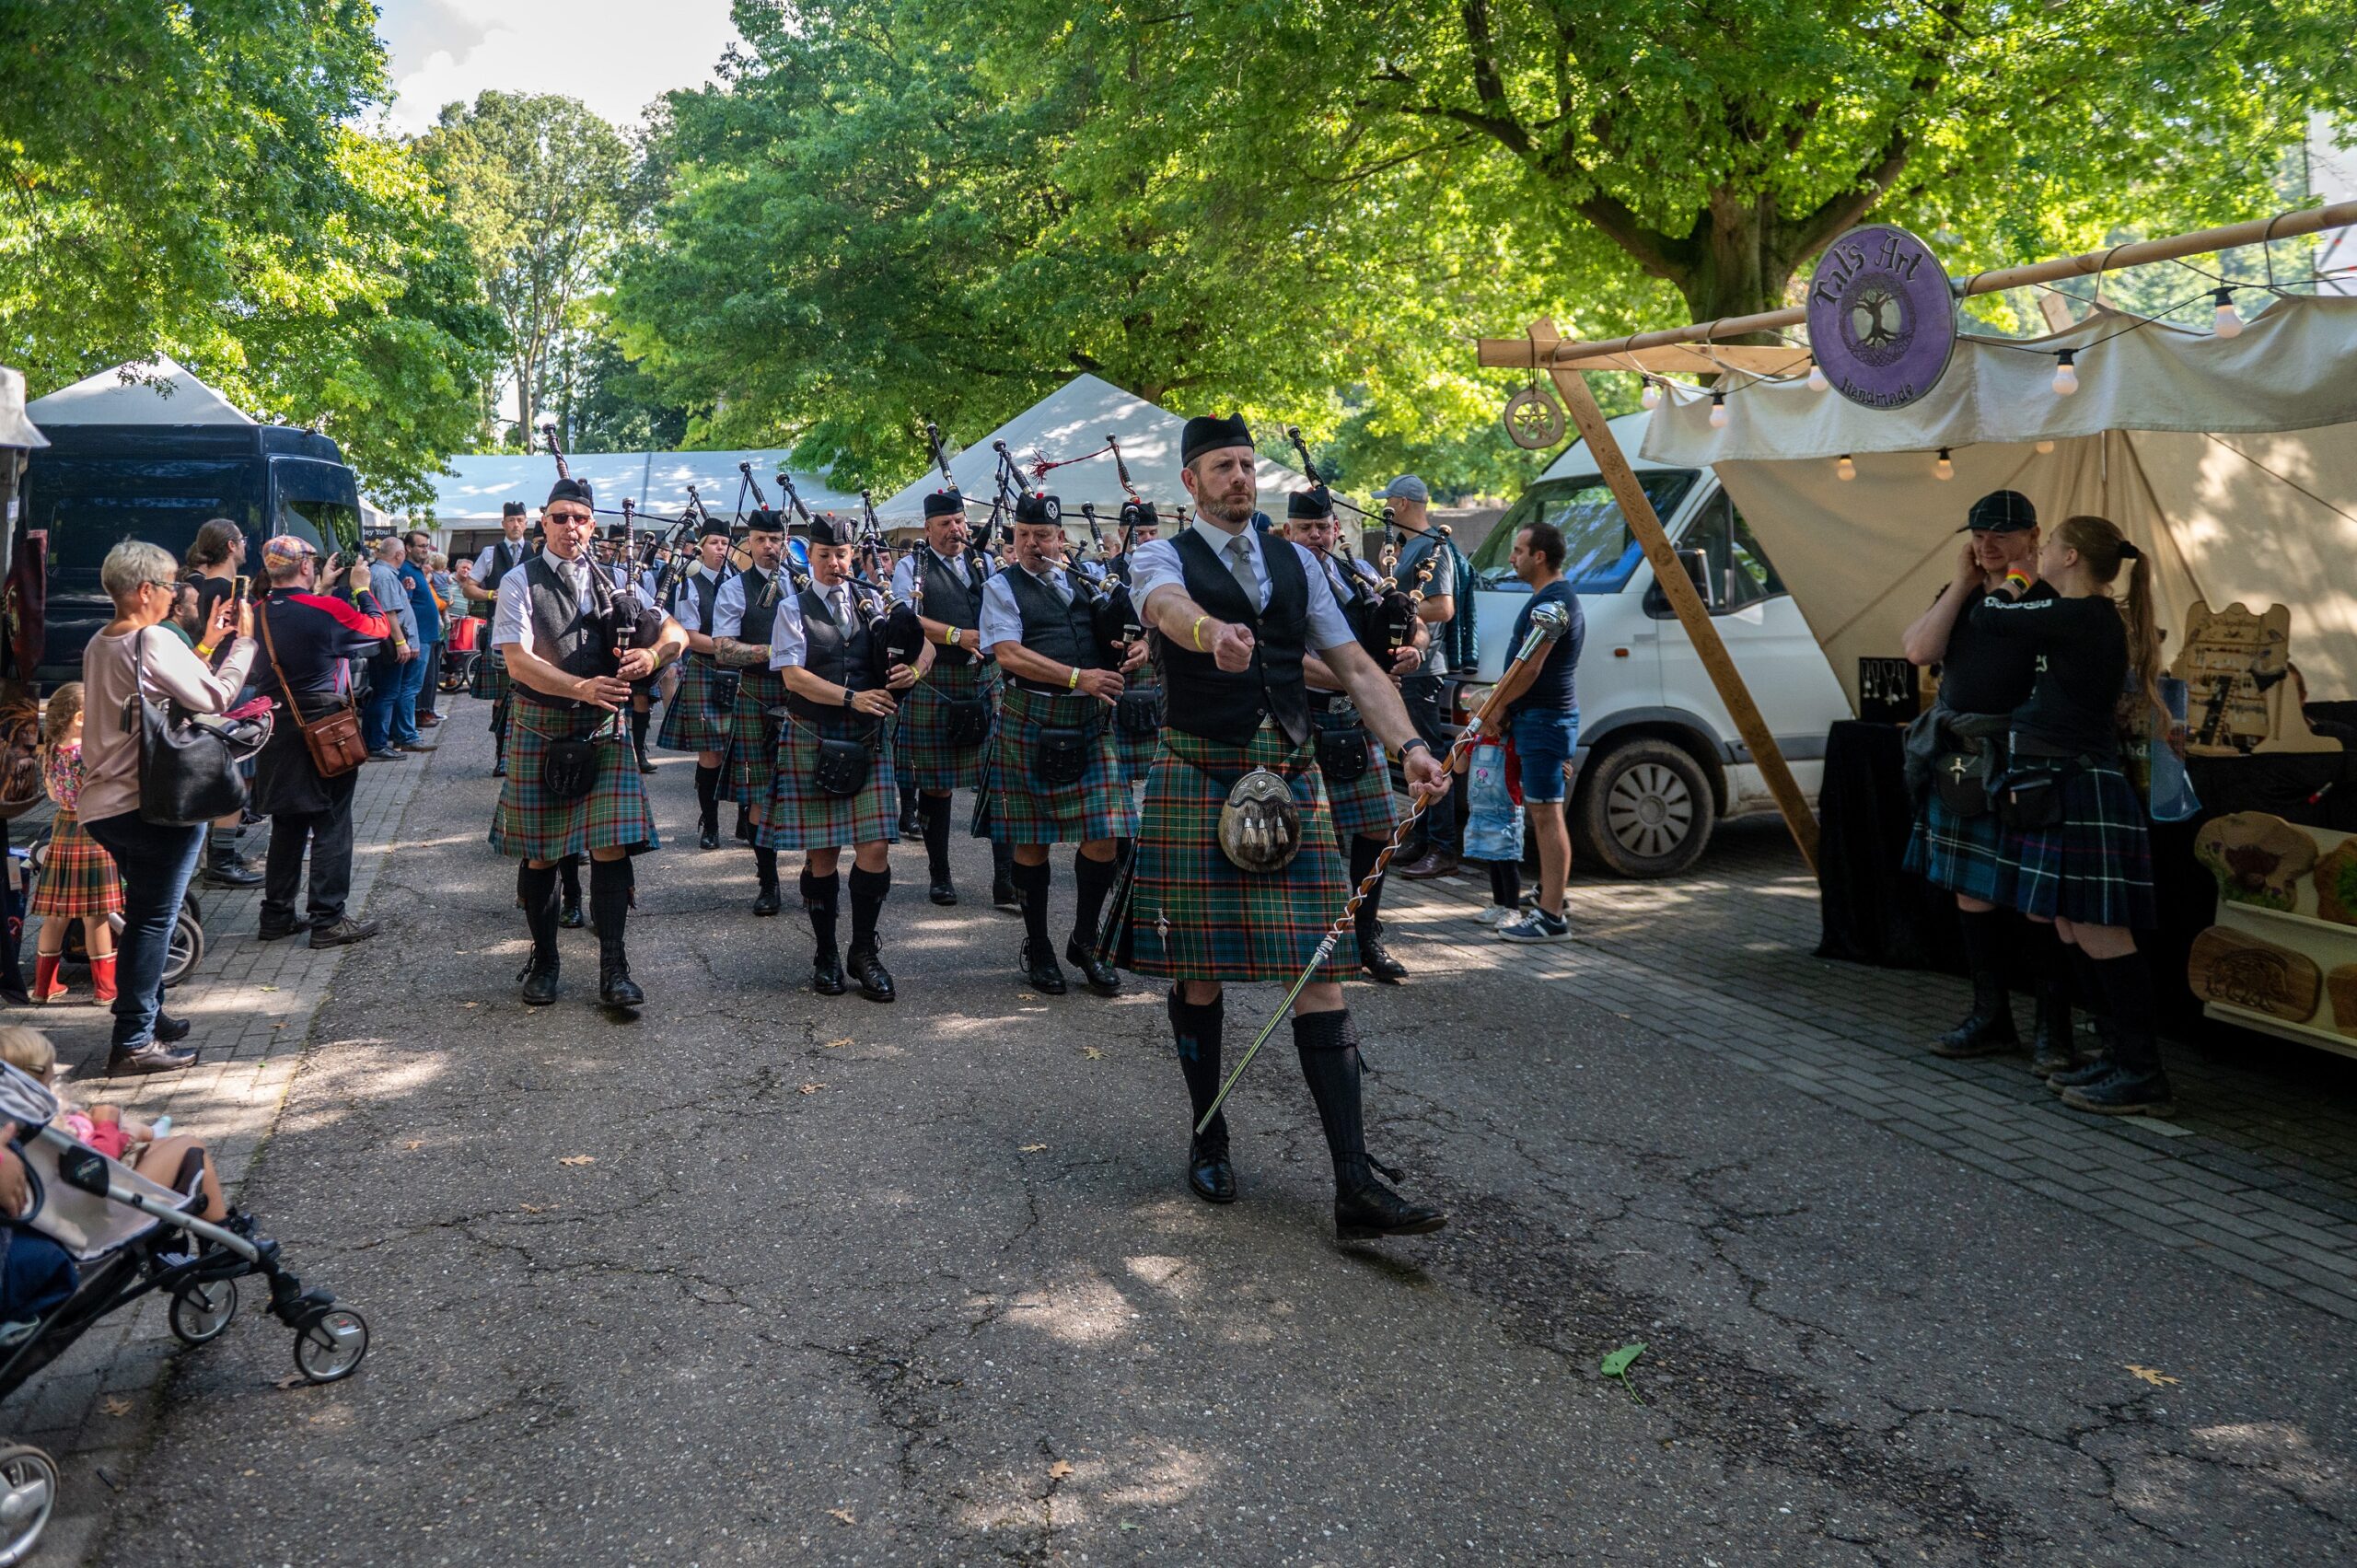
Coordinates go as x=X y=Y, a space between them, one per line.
x=334 y=738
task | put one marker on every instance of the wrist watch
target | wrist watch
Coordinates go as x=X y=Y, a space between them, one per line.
x=1410 y=744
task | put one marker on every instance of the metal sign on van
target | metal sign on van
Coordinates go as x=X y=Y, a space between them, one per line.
x=1881 y=318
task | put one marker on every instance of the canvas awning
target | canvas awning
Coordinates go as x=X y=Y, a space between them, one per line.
x=156 y=391
x=656 y=484
x=2232 y=462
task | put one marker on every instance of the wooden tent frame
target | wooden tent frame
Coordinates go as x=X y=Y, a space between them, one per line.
x=1663 y=352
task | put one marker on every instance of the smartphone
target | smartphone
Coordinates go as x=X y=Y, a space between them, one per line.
x=243 y=591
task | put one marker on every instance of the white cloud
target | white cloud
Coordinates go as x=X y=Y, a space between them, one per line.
x=617 y=56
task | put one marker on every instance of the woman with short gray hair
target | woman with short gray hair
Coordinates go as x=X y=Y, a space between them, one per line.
x=123 y=661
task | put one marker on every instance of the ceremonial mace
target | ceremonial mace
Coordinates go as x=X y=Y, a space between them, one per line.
x=1548 y=622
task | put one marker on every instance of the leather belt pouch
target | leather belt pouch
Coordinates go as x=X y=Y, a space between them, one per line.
x=725 y=683
x=842 y=766
x=1961 y=781
x=1062 y=756
x=965 y=722
x=569 y=768
x=1342 y=754
x=1140 y=712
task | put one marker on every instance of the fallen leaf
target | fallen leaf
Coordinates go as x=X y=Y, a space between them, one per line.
x=414 y=1144
x=2156 y=1378
x=1059 y=1470
x=837 y=1044
x=1619 y=1361
x=1033 y=1148
x=576 y=1159
x=842 y=1515
x=113 y=1405
x=810 y=1088
x=265 y=988
x=1092 y=1053
x=250 y=1472
x=470 y=1004
x=292 y=1380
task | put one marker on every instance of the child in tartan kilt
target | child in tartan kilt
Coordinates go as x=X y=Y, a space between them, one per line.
x=78 y=879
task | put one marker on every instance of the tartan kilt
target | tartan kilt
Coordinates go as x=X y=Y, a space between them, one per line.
x=79 y=877
x=1365 y=804
x=1964 y=854
x=531 y=824
x=797 y=814
x=1024 y=811
x=494 y=681
x=1136 y=751
x=1192 y=913
x=2094 y=867
x=921 y=754
x=688 y=723
x=748 y=780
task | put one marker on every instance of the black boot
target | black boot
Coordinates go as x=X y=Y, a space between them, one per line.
x=2135 y=1085
x=2087 y=991
x=1092 y=879
x=766 y=898
x=933 y=813
x=638 y=717
x=819 y=895
x=1038 y=954
x=223 y=867
x=610 y=887
x=1195 y=1029
x=743 y=832
x=1988 y=1031
x=1003 y=889
x=911 y=825
x=568 y=876
x=868 y=892
x=535 y=890
x=1374 y=959
x=2053 y=1048
x=1364 y=1207
x=707 y=807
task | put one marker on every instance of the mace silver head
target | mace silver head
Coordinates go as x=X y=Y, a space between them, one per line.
x=1550 y=620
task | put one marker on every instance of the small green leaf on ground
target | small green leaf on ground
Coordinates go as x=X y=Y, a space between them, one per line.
x=1617 y=1365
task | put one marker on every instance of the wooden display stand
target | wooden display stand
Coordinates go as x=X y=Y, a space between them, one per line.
x=2283 y=957
x=2238 y=700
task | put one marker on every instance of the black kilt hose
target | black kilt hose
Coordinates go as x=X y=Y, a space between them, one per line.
x=530 y=823
x=1136 y=747
x=1193 y=914
x=797 y=814
x=688 y=723
x=748 y=782
x=923 y=755
x=1365 y=804
x=1024 y=810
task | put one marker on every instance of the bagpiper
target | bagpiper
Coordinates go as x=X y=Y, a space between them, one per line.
x=573 y=646
x=1358 y=784
x=628 y=580
x=1236 y=865
x=1056 y=775
x=1137 y=718
x=946 y=722
x=700 y=712
x=830 y=775
x=492 y=565
x=743 y=616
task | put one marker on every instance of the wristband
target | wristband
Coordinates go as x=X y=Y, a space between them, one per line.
x=1195 y=633
x=1073 y=684
x=949 y=636
x=204 y=650
x=1410 y=744
x=2018 y=576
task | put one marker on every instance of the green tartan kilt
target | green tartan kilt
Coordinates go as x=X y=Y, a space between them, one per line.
x=495 y=678
x=748 y=782
x=923 y=755
x=1136 y=751
x=530 y=823
x=1193 y=914
x=1024 y=811
x=797 y=814
x=1366 y=805
x=688 y=723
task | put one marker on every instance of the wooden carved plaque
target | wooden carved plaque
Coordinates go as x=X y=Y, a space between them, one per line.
x=2243 y=971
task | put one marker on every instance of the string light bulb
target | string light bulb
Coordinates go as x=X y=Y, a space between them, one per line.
x=1817 y=381
x=1943 y=468
x=1845 y=470
x=2225 y=323
x=1652 y=399
x=2045 y=448
x=1718 y=410
x=2066 y=374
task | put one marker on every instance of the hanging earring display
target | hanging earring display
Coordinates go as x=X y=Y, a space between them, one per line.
x=1534 y=419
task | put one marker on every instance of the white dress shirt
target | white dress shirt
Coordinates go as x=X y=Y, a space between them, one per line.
x=1157 y=567
x=790 y=638
x=728 y=610
x=1001 y=617
x=511 y=617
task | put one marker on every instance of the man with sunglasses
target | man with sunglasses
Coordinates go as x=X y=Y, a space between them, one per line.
x=573 y=646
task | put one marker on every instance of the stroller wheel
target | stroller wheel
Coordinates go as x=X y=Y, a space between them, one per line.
x=28 y=1492
x=186 y=947
x=202 y=1308
x=329 y=1347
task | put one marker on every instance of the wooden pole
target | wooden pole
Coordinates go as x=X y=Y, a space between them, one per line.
x=1521 y=352
x=1678 y=589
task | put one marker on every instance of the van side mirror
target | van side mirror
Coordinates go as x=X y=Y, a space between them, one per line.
x=1697 y=571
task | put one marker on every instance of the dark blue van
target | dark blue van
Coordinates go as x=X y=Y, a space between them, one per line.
x=95 y=485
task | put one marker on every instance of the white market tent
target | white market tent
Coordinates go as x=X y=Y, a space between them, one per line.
x=2232 y=463
x=1072 y=420
x=156 y=391
x=656 y=484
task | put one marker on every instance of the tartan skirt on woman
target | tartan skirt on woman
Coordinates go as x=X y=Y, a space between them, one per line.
x=924 y=756
x=1024 y=810
x=748 y=780
x=1193 y=914
x=799 y=815
x=531 y=823
x=1365 y=805
x=78 y=879
x=1964 y=854
x=2094 y=867
x=688 y=723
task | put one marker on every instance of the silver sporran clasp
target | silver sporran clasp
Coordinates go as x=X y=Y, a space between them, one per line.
x=1259 y=827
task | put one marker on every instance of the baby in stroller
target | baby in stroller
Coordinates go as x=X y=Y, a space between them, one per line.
x=174 y=1160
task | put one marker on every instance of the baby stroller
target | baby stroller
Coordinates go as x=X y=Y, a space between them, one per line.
x=182 y=954
x=129 y=1236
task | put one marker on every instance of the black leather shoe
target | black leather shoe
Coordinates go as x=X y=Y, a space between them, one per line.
x=1040 y=968
x=1209 y=1172
x=231 y=871
x=616 y=989
x=767 y=901
x=1003 y=894
x=499 y=769
x=570 y=916
x=708 y=836
x=826 y=973
x=276 y=933
x=1980 y=1035
x=170 y=1030
x=943 y=892
x=1376 y=960
x=152 y=1057
x=2094 y=1069
x=911 y=826
x=539 y=982
x=875 y=980
x=1100 y=978
x=2054 y=1048
x=645 y=763
x=1368 y=1209
x=343 y=933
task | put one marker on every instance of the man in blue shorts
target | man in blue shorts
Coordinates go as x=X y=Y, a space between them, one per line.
x=1540 y=707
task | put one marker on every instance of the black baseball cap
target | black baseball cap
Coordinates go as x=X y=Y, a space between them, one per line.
x=2001 y=511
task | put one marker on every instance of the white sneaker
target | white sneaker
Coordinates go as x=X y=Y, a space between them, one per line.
x=1537 y=926
x=1489 y=915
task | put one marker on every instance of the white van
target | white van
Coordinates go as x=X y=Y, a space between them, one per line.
x=1660 y=762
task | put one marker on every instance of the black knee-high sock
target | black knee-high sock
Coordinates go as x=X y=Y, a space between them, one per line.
x=933 y=812
x=1328 y=1044
x=707 y=794
x=765 y=866
x=1002 y=857
x=1195 y=1029
x=2126 y=983
x=1031 y=881
x=1092 y=879
x=535 y=890
x=1363 y=853
x=868 y=891
x=638 y=717
x=568 y=872
x=820 y=900
x=1505 y=884
x=1984 y=955
x=2088 y=982
x=610 y=890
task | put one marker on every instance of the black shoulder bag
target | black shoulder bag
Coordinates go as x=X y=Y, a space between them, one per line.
x=189 y=769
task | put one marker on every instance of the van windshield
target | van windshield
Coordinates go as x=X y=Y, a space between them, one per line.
x=1599 y=552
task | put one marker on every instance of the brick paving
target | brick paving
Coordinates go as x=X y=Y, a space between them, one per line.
x=2257 y=1171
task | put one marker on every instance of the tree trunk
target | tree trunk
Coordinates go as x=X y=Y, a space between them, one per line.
x=1730 y=266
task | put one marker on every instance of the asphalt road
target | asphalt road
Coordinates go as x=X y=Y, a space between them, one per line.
x=921 y=1283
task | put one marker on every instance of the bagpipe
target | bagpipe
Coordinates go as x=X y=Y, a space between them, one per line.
x=894 y=627
x=628 y=625
x=1385 y=615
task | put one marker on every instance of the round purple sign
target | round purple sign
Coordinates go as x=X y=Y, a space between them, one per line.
x=1881 y=319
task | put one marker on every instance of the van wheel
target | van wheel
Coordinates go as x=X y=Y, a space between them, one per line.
x=1644 y=810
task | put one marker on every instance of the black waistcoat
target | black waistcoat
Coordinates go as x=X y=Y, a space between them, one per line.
x=953 y=596
x=1229 y=707
x=505 y=558
x=1065 y=632
x=577 y=637
x=828 y=652
x=760 y=607
x=706 y=592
